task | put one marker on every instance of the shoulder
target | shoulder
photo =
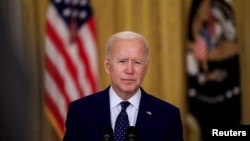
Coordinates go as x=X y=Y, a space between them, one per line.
x=162 y=103
x=159 y=104
x=91 y=100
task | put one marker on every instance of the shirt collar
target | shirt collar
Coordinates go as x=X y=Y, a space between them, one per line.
x=115 y=99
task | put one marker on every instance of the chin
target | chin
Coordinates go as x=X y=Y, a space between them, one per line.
x=130 y=90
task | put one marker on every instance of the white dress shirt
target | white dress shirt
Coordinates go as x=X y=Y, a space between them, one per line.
x=132 y=109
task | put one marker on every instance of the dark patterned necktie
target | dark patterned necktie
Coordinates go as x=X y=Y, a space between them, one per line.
x=122 y=123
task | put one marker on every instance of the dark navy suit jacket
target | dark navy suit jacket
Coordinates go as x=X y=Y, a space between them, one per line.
x=89 y=115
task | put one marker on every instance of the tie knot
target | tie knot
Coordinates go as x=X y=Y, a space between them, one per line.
x=124 y=105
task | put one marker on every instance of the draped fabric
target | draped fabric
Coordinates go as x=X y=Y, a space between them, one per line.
x=214 y=91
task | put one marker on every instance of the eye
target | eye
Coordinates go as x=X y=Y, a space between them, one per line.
x=121 y=61
x=138 y=62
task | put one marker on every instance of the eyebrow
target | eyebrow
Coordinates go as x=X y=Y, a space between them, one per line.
x=125 y=58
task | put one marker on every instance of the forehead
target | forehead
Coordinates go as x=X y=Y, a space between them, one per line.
x=129 y=45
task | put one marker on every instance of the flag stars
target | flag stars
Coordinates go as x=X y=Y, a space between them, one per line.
x=75 y=13
x=83 y=2
x=67 y=1
x=75 y=2
x=77 y=10
x=58 y=1
x=66 y=12
x=83 y=14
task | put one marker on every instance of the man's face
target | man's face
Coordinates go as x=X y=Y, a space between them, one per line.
x=127 y=65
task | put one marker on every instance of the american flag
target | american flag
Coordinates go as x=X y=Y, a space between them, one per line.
x=70 y=57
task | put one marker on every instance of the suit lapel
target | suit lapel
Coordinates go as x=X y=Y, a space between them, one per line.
x=104 y=109
x=144 y=113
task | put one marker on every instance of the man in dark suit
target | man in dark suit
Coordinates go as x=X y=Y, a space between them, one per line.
x=126 y=63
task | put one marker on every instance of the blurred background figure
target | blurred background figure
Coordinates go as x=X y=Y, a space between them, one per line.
x=15 y=119
x=213 y=65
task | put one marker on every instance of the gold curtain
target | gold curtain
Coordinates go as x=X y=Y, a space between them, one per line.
x=242 y=9
x=162 y=22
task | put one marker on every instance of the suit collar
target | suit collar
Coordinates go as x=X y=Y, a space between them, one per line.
x=144 y=113
x=115 y=99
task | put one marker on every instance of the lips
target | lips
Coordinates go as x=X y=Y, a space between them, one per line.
x=128 y=80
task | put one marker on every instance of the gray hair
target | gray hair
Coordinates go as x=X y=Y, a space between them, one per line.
x=126 y=35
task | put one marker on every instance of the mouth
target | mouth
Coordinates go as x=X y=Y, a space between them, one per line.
x=128 y=80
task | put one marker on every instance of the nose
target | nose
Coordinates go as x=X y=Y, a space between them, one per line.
x=129 y=67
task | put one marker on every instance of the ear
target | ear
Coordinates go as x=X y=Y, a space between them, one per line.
x=107 y=65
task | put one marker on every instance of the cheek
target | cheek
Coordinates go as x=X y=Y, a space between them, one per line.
x=144 y=71
x=115 y=72
x=141 y=72
x=111 y=68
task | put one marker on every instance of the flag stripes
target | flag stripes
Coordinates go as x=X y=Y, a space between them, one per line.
x=70 y=59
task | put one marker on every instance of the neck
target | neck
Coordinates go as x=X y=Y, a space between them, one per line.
x=125 y=95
